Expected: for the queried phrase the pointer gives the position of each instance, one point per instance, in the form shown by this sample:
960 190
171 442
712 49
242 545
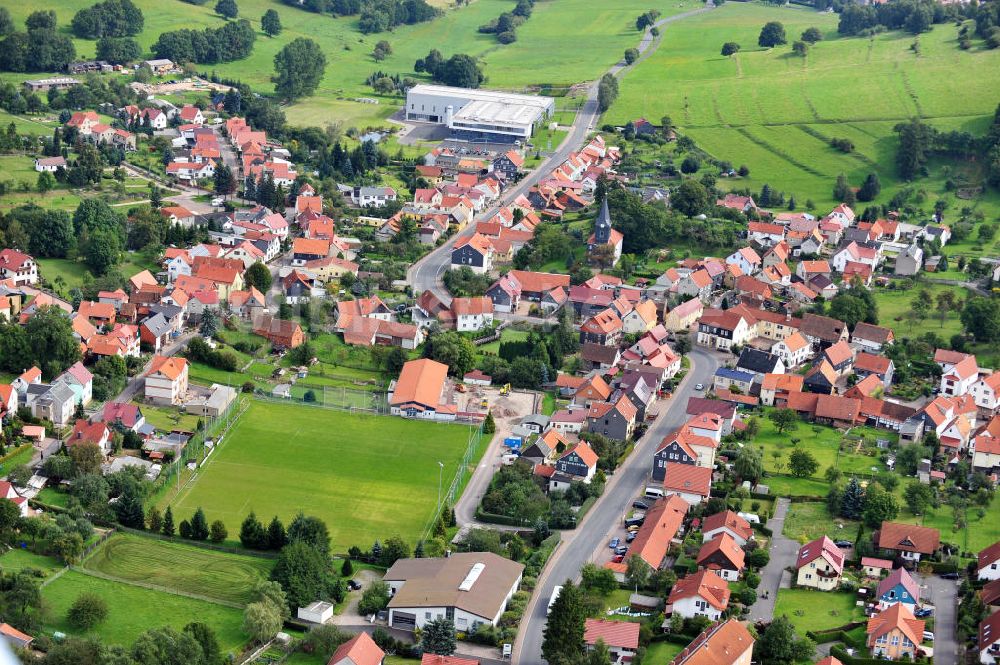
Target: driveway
944 595
783 552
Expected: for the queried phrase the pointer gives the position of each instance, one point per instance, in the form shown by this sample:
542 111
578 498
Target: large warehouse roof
479 95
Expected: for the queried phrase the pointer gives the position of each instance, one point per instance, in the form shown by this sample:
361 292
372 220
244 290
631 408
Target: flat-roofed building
483 114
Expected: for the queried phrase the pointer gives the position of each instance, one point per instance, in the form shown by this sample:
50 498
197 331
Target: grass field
18 559
893 307
816 610
174 565
776 112
547 53
133 610
807 521
368 477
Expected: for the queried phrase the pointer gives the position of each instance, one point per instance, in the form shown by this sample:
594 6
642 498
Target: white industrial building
478 114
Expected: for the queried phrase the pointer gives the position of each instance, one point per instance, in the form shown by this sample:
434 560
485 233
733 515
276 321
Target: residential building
167 381
989 639
18 267
663 522
726 643
722 555
872 338
794 350
615 420
894 633
729 523
577 463
359 650
700 594
475 252
683 316
908 541
472 313
691 483
820 565
898 587
989 563
620 637
470 588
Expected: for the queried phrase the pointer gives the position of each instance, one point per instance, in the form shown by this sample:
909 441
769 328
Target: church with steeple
605 235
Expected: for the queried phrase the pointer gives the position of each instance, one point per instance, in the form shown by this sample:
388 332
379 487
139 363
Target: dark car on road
950 576
843 543
641 505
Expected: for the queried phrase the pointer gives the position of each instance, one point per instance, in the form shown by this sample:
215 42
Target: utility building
479 114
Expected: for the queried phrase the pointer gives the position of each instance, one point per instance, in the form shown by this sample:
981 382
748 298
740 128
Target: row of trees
232 41
41 48
460 70
110 18
914 16
374 15
505 26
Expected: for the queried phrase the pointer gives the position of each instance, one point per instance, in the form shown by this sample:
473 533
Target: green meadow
775 112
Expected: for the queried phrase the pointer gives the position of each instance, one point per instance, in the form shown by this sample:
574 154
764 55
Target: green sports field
776 112
369 477
175 565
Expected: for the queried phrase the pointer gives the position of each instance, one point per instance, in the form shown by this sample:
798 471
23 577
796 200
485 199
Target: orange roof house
419 387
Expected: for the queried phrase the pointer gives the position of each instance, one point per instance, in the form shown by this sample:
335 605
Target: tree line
460 70
111 18
914 16
232 41
919 141
374 15
505 26
40 48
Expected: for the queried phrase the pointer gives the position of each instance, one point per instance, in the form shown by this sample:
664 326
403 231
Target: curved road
427 273
628 482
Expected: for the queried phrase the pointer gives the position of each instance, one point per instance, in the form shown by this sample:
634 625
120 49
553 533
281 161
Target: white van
654 492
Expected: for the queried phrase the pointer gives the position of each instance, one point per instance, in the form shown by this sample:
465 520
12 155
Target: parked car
630 537
621 549
699 386
843 543
615 542
950 576
928 636
618 558
634 528
924 612
641 505
353 586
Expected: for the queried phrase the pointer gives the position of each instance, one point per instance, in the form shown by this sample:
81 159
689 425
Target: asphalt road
628 482
783 552
944 596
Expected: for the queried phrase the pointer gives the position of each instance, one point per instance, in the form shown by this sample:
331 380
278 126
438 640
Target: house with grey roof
910 261
155 331
55 402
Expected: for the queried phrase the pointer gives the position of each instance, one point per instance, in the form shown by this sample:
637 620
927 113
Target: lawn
806 521
776 112
174 565
826 444
662 652
21 559
348 469
893 307
133 610
168 418
802 607
506 335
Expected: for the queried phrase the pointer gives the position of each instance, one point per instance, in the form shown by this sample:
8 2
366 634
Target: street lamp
440 477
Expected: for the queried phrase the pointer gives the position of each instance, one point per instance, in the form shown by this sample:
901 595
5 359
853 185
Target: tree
165 646
772 34
304 573
269 591
607 92
800 49
452 349
842 190
918 497
252 535
46 182
103 250
118 50
209 324
802 464
6 22
168 522
258 276
564 629
981 318
224 181
880 506
921 19
382 50
299 67
87 611
812 35
270 23
129 507
218 532
780 645
261 621
853 501
438 637
312 531
460 71
691 198
205 637
227 9
784 419
595 578
870 188
489 425
199 525
393 549
915 139
631 55
276 537
748 465
637 571
730 48
374 598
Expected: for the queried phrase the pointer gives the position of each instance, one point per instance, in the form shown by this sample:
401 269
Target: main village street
628 482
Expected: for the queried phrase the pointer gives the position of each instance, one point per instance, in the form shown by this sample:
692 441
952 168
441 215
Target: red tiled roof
908 537
359 650
705 585
663 521
621 634
687 478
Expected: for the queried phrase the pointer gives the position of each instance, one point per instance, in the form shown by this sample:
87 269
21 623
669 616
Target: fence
465 468
342 399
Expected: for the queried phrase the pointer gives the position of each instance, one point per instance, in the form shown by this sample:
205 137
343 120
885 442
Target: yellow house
895 633
330 268
820 565
683 316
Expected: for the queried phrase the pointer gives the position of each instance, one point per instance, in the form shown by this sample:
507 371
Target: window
895 640
427 616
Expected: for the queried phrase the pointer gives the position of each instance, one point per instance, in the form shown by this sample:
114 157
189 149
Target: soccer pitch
368 477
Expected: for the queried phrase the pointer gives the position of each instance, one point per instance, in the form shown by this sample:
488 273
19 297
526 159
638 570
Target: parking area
624 532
